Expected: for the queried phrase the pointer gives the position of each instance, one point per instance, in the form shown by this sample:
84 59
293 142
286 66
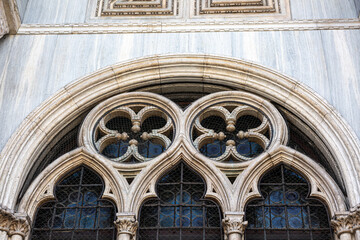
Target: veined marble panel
56 11
310 9
22 4
32 68
357 4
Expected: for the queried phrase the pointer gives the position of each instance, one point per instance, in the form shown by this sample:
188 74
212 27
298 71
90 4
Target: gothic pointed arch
77 211
285 209
180 209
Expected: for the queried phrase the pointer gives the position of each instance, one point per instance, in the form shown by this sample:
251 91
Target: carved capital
5 220
356 218
234 225
126 225
348 222
19 226
14 224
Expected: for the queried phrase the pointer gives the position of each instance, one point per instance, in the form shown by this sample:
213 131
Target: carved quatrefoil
231 132
133 133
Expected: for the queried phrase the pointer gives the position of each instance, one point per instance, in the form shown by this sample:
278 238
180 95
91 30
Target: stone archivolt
128 197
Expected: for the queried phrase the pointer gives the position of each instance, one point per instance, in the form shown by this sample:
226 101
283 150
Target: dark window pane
285 212
180 212
78 211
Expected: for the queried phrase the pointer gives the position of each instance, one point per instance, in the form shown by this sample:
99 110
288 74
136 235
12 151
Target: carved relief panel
130 10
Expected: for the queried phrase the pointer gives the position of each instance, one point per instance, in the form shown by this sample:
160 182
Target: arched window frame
222 192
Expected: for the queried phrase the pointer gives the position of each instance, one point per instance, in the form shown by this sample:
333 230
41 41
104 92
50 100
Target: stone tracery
177 143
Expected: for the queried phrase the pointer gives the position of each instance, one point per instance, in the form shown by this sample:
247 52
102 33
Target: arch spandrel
22 149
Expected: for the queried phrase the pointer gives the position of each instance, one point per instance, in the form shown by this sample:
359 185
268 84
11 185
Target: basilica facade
180 119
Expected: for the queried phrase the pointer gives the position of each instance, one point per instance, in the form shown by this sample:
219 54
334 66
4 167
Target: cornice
190 26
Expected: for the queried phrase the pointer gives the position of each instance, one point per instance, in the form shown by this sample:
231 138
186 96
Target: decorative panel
240 8
137 8
192 9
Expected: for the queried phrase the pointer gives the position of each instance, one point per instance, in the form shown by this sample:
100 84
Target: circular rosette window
133 133
231 132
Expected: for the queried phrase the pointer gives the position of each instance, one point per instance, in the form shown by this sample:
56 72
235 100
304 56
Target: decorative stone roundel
129 128
231 132
133 133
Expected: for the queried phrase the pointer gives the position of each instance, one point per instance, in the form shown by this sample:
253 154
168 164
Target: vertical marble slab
55 11
310 9
357 5
22 4
341 50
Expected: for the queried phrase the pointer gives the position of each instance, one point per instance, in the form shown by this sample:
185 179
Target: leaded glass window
78 212
180 212
286 212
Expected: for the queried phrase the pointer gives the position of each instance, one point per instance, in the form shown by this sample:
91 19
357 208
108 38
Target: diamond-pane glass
285 212
180 212
77 212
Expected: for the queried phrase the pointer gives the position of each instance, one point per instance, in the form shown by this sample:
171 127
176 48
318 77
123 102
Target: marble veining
32 68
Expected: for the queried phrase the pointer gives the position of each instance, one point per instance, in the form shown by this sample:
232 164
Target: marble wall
70 11
32 68
357 4
22 6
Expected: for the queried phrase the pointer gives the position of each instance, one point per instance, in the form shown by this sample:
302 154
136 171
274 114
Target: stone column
126 226
234 226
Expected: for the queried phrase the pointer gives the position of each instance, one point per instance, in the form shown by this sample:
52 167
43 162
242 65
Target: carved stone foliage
133 133
4 28
231 132
192 8
13 224
137 8
234 225
126 225
347 223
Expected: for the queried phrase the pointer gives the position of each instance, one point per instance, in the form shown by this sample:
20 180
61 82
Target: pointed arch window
181 211
78 212
286 212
